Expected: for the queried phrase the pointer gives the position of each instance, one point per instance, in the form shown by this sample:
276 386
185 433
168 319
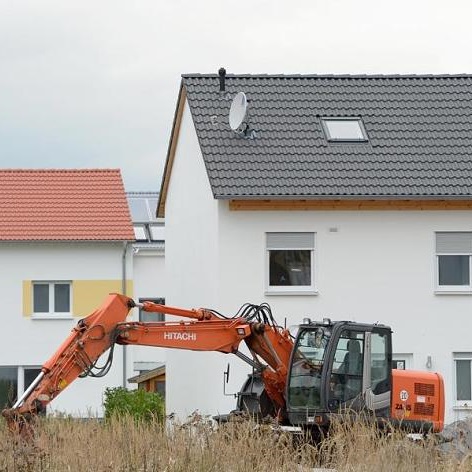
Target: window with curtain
290 262
453 267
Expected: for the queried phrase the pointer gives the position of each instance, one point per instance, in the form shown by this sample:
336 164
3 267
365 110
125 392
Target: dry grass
123 445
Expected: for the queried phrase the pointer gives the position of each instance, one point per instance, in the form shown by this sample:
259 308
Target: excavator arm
271 345
202 330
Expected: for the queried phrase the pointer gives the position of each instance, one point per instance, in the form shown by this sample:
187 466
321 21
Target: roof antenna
222 74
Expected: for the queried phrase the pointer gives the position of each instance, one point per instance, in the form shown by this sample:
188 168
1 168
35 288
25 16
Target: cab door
377 382
347 369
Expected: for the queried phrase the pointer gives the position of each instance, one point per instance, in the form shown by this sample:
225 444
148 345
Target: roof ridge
331 76
58 170
139 193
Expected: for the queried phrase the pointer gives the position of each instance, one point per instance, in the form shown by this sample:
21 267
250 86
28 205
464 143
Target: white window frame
453 289
406 357
52 314
289 289
461 356
20 376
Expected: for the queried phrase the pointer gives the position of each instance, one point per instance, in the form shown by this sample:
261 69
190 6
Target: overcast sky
86 84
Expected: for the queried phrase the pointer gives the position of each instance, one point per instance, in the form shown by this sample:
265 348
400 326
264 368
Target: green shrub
138 404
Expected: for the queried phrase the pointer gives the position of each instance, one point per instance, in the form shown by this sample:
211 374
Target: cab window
379 363
348 366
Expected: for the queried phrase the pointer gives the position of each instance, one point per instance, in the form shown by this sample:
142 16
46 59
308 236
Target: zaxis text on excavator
327 368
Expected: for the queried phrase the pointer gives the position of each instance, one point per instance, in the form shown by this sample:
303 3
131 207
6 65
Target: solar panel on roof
139 209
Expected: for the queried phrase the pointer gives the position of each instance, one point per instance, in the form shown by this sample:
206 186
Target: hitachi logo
181 336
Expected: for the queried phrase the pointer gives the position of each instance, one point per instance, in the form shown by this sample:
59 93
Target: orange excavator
327 368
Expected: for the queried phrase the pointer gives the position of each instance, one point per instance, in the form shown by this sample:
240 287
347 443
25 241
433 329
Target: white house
65 243
365 182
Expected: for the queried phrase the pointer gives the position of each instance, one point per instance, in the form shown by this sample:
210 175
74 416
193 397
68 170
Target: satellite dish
238 111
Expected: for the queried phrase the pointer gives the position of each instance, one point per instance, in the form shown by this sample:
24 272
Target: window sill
277 293
52 316
453 292
465 407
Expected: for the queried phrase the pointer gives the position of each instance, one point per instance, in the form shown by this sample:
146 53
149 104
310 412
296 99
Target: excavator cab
339 366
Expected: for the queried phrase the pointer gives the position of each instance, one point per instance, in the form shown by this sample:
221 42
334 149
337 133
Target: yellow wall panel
87 295
27 298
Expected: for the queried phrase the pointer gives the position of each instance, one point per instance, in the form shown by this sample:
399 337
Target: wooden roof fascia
351 205
179 110
150 374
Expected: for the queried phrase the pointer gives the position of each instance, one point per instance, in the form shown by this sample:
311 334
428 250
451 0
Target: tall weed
123 444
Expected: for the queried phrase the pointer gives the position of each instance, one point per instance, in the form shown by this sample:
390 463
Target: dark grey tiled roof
419 128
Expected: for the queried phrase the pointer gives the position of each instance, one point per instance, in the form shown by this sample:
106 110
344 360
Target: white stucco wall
377 267
191 268
32 341
369 267
149 282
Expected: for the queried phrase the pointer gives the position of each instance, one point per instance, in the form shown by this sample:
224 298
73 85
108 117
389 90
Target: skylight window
344 129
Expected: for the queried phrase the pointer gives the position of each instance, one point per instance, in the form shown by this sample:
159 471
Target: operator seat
352 368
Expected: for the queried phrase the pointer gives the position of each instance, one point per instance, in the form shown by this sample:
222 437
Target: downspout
123 291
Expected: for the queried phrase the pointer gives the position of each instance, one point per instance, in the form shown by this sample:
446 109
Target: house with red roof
65 243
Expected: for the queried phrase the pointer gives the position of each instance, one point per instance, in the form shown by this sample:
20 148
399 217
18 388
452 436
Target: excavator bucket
89 339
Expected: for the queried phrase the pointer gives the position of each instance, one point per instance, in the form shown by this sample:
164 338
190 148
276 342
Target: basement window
344 129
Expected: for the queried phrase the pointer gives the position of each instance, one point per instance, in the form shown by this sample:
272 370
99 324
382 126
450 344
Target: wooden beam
349 205
171 151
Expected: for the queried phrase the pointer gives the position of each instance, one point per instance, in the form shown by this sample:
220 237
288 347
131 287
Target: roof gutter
123 291
342 197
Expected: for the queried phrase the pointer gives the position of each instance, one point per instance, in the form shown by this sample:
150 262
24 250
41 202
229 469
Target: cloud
88 84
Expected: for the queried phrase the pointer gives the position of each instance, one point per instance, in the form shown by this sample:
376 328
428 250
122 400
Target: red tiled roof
63 205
